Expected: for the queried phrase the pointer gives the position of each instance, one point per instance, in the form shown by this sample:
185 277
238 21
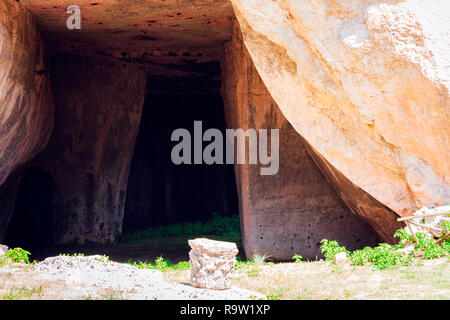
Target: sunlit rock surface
293 210
366 83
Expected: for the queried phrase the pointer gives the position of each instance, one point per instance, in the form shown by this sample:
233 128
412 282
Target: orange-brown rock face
366 83
26 109
98 111
292 211
142 31
358 88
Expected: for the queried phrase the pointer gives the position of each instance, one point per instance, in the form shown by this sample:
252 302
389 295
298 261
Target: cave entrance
30 226
160 192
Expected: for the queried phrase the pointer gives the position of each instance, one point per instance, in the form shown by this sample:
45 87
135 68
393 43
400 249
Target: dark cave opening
31 223
160 192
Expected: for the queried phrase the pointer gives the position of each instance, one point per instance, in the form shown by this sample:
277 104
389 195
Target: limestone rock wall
98 109
26 106
366 83
292 211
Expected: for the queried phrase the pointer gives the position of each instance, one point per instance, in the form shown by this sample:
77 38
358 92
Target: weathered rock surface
366 83
211 263
165 33
3 249
137 25
292 211
95 278
362 87
97 116
26 108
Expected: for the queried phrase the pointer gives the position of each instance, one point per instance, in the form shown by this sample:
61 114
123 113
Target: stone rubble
340 258
3 249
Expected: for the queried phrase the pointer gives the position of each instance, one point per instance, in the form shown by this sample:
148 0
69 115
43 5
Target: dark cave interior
160 192
31 224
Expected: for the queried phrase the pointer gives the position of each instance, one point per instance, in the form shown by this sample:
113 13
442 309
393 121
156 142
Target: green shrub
384 255
217 225
183 265
403 236
361 257
241 263
259 259
430 249
446 225
18 255
331 248
162 265
435 251
446 247
297 258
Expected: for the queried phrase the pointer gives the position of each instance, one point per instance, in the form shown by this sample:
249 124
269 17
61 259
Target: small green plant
23 292
297 258
361 257
430 249
162 265
103 258
331 248
78 255
259 259
72 255
18 255
112 294
434 251
240 263
272 297
403 236
182 265
225 227
253 272
384 255
3 260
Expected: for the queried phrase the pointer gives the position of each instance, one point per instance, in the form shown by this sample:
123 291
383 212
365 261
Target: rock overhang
166 36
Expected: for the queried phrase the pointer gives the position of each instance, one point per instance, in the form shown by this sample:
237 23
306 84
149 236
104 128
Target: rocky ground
94 277
80 278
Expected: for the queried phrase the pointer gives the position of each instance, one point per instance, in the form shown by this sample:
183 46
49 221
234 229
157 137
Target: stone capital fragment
211 263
